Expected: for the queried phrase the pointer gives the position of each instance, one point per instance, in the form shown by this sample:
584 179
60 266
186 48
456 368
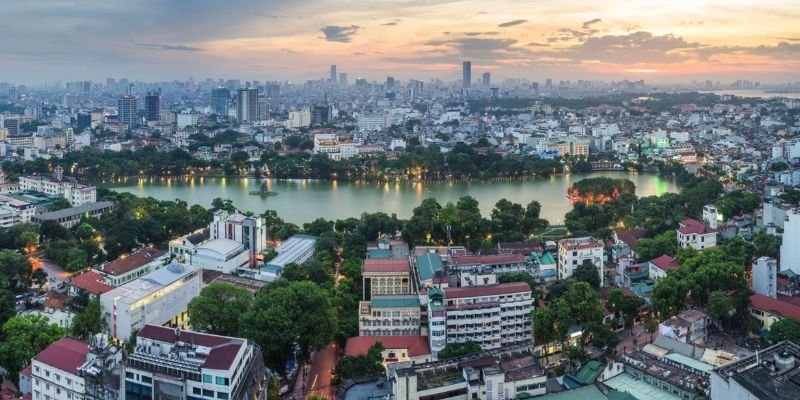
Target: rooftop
489 260
74 211
293 250
137 259
777 306
398 301
665 262
429 265
66 354
639 389
221 350
631 237
222 246
91 282
379 265
580 243
692 226
416 345
775 377
488 290
146 285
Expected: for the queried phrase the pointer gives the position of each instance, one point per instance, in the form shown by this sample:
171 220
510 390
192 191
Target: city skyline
273 40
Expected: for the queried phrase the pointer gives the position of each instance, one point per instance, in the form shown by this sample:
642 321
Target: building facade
60 185
385 277
693 233
574 252
397 315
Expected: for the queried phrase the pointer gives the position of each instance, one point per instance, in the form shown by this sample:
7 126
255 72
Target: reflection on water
303 200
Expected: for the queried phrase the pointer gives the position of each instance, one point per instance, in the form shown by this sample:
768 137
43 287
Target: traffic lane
55 274
320 376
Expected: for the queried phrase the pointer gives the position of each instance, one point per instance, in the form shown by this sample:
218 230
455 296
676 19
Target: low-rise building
769 374
658 267
160 297
506 373
223 255
385 277
693 233
58 184
295 250
135 265
497 264
574 252
768 310
395 315
70 217
688 327
173 364
396 349
71 369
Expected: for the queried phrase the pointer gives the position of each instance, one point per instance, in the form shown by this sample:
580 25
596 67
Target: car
550 365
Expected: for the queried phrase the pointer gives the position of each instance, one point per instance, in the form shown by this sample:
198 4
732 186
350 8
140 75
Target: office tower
247 105
12 124
548 84
273 90
12 93
535 87
390 83
467 72
343 79
219 100
83 121
361 82
495 92
486 79
126 109
111 84
152 106
321 115
333 75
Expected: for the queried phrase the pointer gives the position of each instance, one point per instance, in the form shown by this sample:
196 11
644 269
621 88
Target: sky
654 40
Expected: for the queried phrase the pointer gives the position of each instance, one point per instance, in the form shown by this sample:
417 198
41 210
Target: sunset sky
655 40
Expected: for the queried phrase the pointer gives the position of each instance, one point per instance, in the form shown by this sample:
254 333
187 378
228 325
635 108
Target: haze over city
159 40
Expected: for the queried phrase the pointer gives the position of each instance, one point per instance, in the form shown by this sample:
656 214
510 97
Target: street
317 380
55 274
626 339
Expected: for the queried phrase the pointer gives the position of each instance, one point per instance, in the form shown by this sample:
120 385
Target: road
317 380
626 339
55 274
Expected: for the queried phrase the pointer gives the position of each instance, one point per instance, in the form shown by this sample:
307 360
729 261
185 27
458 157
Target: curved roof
221 246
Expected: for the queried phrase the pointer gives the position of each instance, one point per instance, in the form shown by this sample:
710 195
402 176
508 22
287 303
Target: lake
300 201
753 93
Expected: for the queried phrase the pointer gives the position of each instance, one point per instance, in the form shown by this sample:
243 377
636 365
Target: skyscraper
247 105
219 100
487 79
126 109
273 90
152 106
467 72
343 79
390 83
333 75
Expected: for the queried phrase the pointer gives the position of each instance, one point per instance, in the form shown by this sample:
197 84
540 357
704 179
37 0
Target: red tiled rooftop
66 354
137 259
386 265
359 345
632 237
692 226
489 260
56 300
665 262
91 282
488 290
777 306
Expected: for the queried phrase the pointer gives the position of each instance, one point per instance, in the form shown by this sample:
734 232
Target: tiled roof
631 237
91 282
359 345
386 265
137 259
489 260
778 306
56 300
429 265
692 226
66 354
488 290
223 349
665 262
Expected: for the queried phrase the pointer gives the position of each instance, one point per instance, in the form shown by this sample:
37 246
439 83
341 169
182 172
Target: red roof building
402 347
123 265
665 263
489 260
692 226
66 354
91 282
377 265
768 310
630 238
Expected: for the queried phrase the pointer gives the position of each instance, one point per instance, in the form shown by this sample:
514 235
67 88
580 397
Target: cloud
782 51
790 39
168 47
491 33
389 24
358 53
288 51
512 23
341 34
589 23
537 44
480 48
637 47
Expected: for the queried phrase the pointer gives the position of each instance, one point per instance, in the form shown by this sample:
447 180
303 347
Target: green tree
298 314
767 245
651 326
218 308
8 305
25 337
59 204
52 230
453 350
77 260
88 322
649 249
587 272
15 270
370 364
785 329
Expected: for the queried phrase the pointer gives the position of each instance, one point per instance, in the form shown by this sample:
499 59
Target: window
223 381
129 375
147 379
207 378
208 393
222 395
196 391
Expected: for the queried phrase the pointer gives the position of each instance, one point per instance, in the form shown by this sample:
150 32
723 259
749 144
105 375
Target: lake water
300 201
753 93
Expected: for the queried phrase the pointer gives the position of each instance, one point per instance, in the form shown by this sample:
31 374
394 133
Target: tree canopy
218 308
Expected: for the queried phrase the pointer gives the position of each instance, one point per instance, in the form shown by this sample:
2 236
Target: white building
693 233
372 122
761 376
295 250
299 119
765 277
329 143
71 369
247 231
790 250
574 252
60 185
711 217
223 255
185 119
160 297
135 265
172 364
493 316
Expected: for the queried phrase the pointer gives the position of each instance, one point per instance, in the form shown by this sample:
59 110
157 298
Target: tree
370 364
218 308
767 245
25 337
665 243
785 329
295 314
8 305
59 204
453 350
52 230
15 270
651 326
587 272
220 204
88 322
77 260
39 277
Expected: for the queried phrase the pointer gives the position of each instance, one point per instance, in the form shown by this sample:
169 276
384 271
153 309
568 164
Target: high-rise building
333 75
84 120
127 111
343 79
152 106
790 252
12 93
321 115
467 74
12 124
219 100
247 105
390 83
486 79
272 90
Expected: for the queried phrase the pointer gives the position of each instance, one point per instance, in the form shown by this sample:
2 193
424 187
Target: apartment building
60 185
695 234
492 316
574 252
397 315
173 364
